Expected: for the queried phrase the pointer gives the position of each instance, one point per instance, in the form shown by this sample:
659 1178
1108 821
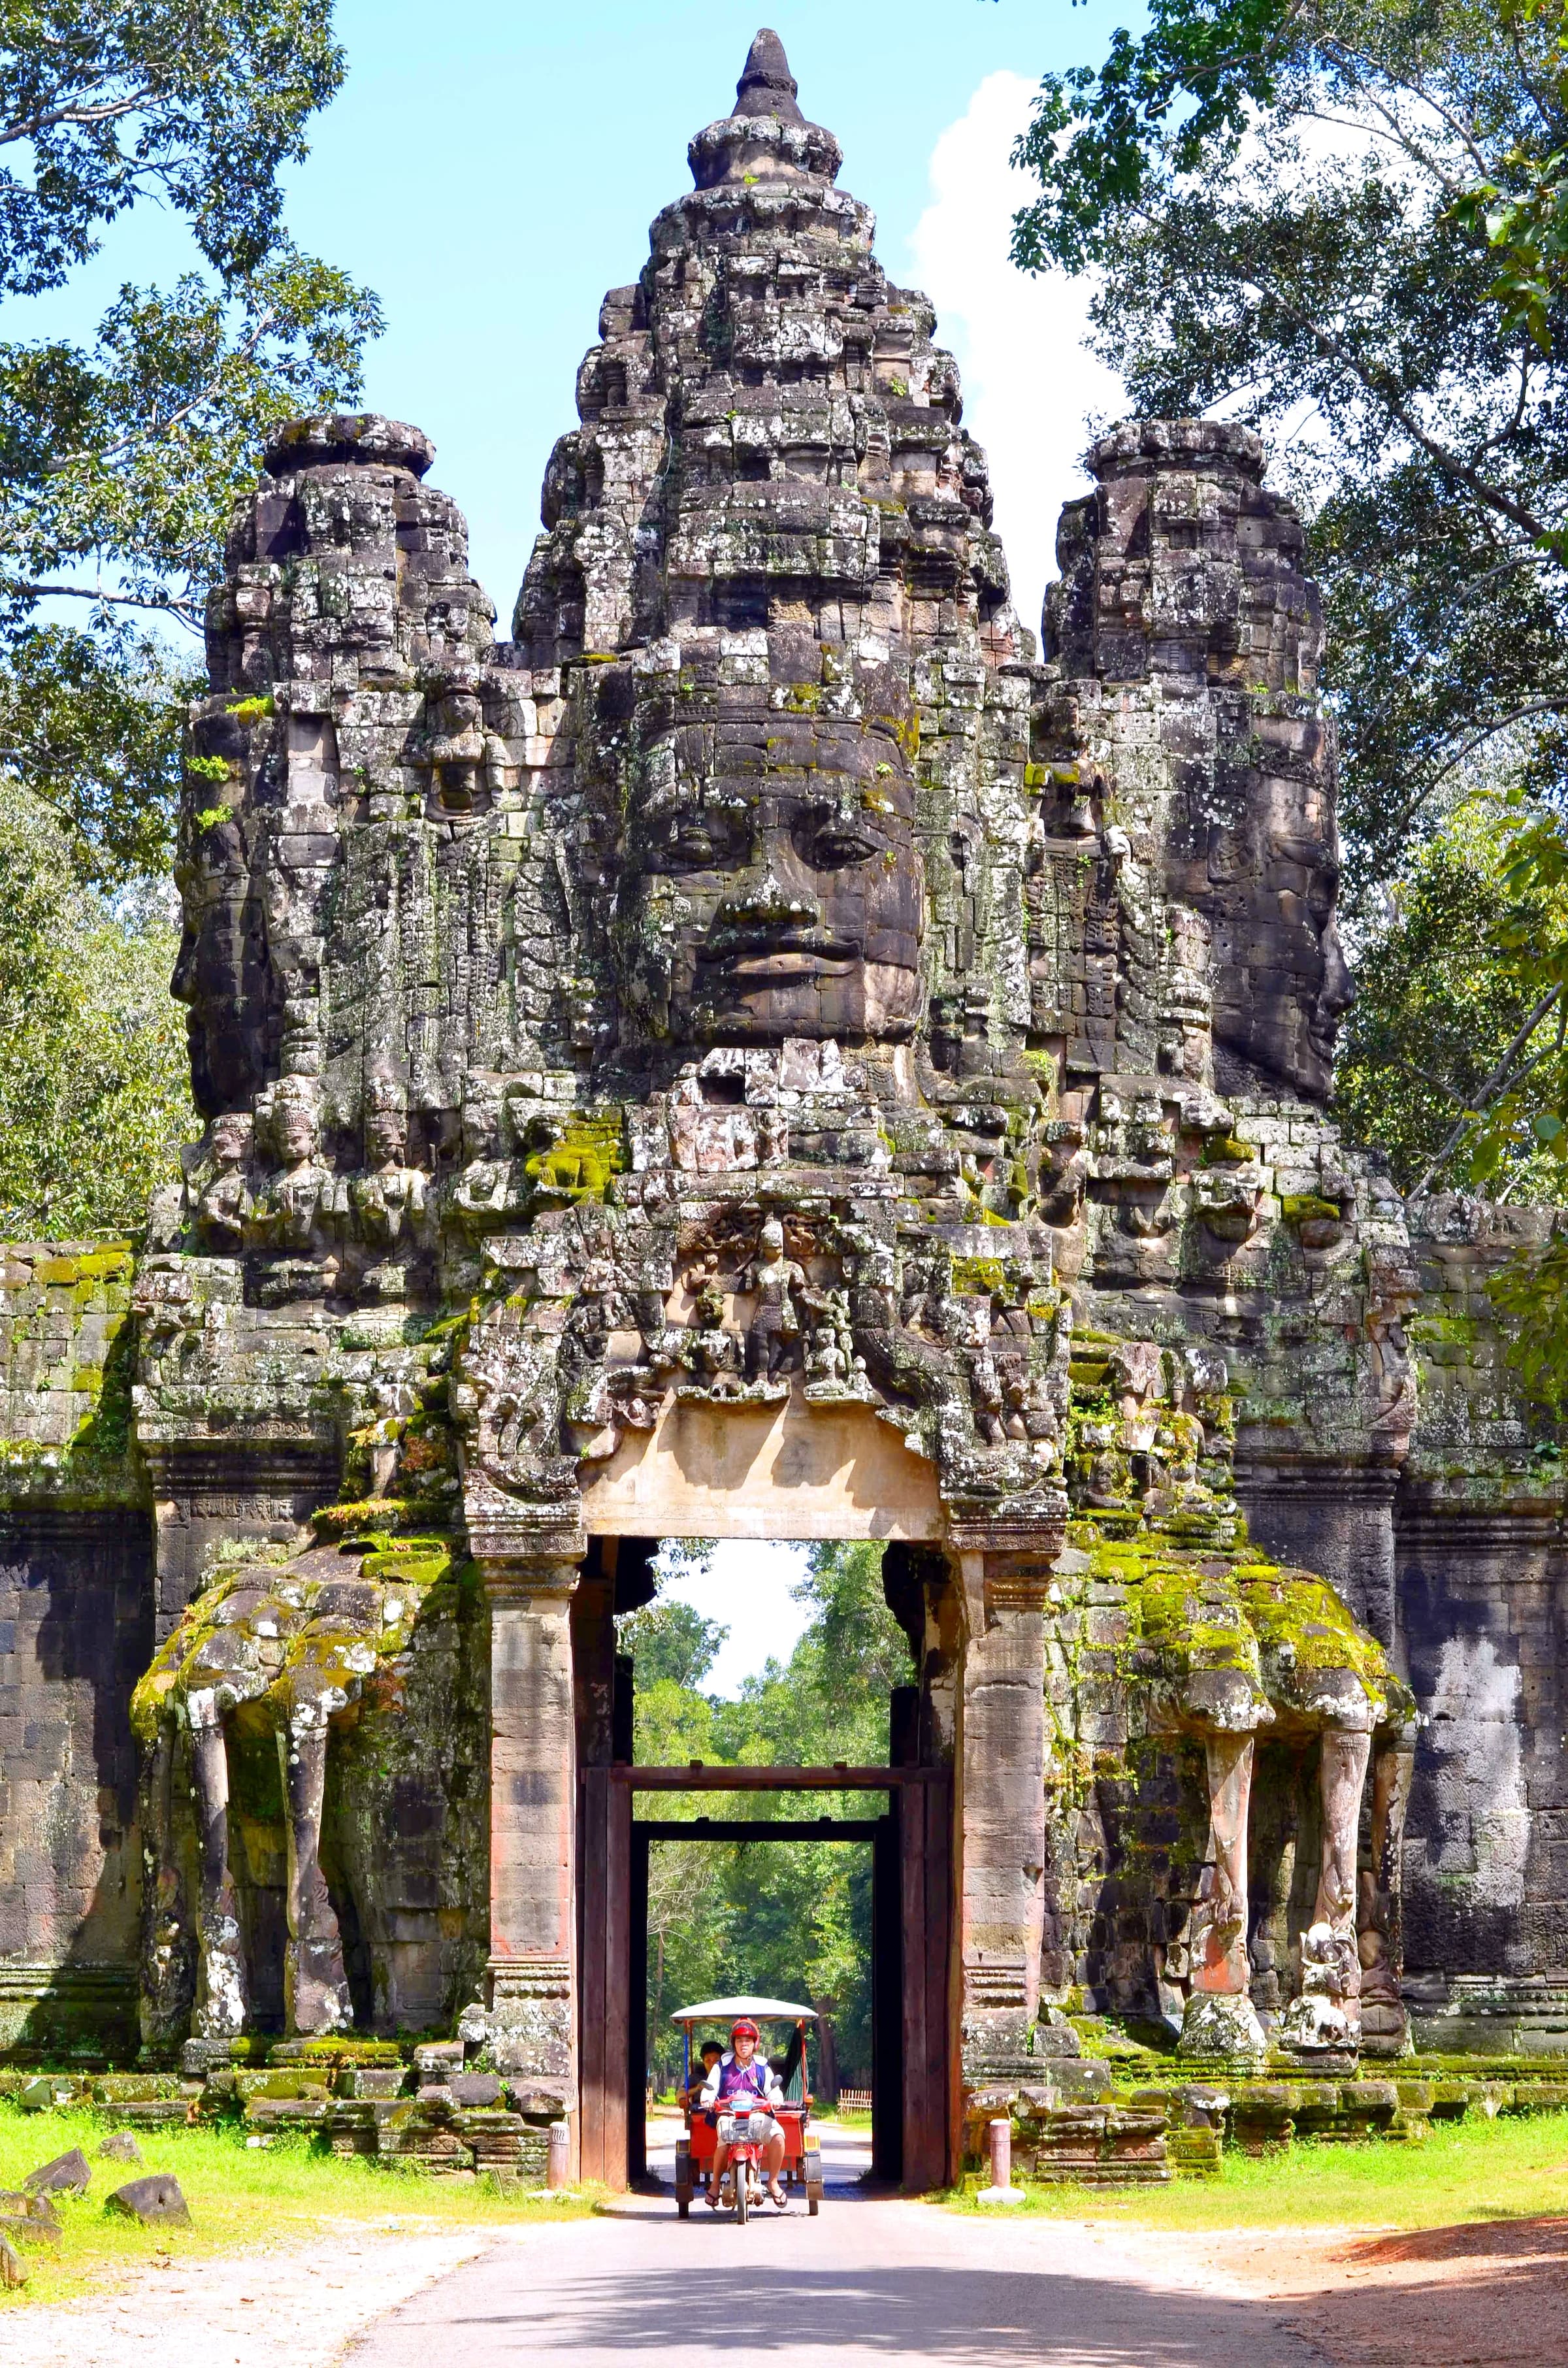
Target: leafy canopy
95 1087
120 455
1292 208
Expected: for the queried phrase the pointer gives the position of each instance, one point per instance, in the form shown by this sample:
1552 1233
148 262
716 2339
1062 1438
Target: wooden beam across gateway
756 1829
702 1776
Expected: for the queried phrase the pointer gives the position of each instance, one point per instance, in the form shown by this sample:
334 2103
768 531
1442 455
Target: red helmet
745 2029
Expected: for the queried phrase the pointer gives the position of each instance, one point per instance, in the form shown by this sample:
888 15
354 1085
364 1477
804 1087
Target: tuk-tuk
694 2148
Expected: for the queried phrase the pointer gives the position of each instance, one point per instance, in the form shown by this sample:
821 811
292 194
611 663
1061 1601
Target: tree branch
1491 1088
1478 740
245 351
168 605
30 127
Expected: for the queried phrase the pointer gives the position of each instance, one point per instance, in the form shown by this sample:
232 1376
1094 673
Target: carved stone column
1327 2011
1220 2018
999 1806
316 1987
533 1794
1380 1915
221 1991
167 1970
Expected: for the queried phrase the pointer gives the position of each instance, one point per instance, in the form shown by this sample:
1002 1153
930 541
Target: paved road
869 2283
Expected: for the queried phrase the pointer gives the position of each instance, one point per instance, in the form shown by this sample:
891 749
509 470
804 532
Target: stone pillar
999 1806
1326 2013
167 1971
221 1991
1220 2018
316 1986
1379 1916
918 1584
533 1799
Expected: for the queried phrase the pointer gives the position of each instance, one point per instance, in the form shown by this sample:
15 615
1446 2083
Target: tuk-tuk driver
742 2082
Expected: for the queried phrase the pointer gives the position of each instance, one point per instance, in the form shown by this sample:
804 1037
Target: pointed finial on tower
766 86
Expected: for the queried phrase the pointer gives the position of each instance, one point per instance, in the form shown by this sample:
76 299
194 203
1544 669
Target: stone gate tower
762 1051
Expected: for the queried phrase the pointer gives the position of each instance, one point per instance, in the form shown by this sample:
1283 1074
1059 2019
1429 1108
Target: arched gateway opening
750 1472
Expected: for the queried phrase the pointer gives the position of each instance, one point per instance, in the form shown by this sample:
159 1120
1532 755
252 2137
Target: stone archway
972 1785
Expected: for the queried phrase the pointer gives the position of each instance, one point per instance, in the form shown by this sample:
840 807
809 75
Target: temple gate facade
767 1050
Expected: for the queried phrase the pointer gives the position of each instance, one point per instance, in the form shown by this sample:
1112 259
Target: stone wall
75 1632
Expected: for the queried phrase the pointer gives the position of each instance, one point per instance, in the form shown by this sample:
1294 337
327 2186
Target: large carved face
1269 883
770 884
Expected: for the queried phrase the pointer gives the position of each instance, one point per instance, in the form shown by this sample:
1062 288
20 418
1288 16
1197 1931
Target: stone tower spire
766 86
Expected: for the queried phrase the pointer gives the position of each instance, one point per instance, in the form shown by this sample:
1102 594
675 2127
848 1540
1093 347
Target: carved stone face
230 1140
294 1130
386 1135
770 883
1269 886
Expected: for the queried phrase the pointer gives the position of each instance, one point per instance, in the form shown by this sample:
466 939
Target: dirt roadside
1481 2294
291 2305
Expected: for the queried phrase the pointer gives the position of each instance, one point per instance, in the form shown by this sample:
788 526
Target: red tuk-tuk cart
694 2149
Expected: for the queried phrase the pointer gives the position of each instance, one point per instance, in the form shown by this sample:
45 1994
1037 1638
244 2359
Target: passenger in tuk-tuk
743 2082
709 2052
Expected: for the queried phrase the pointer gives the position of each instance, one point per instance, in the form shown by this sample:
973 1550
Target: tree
119 457
95 1089
671 1641
1294 208
1453 1019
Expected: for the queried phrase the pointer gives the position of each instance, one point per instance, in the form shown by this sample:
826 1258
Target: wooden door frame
612 1925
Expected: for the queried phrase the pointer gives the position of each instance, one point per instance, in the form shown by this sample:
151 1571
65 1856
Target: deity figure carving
224 1201
293 1216
777 1283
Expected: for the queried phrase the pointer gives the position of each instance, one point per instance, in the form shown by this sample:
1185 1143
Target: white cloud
1029 380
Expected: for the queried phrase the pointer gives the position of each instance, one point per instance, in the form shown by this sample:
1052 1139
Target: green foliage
671 1642
90 722
1443 990
784 1919
1286 201
193 103
94 1094
119 457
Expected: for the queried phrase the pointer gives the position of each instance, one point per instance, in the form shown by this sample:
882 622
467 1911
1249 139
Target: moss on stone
978 1277
579 1164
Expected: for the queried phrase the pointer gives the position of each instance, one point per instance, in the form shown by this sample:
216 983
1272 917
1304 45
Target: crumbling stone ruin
765 1052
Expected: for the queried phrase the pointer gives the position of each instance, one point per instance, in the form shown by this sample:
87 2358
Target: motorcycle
746 2135
744 2176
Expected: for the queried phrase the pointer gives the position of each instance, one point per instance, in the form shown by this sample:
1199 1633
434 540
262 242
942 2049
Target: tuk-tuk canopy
730 2009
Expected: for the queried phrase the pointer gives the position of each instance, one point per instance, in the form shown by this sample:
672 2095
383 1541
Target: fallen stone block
120 2146
48 2091
68 2174
155 2199
476 2089
12 2273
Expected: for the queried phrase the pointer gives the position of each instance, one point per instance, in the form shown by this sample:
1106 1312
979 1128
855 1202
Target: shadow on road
905 2313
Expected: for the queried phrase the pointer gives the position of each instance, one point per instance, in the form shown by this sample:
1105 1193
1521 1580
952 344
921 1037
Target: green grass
1505 2170
238 2196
